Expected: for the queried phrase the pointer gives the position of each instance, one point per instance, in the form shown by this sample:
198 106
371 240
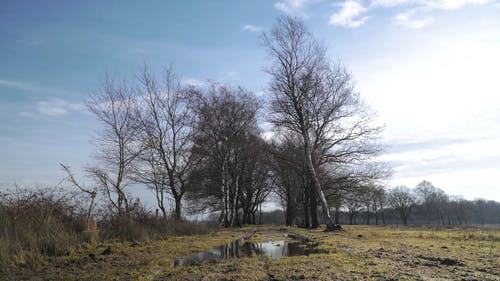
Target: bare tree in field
166 135
114 106
401 200
288 174
255 178
92 193
226 124
316 100
433 201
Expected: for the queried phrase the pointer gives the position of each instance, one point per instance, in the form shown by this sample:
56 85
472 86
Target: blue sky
429 67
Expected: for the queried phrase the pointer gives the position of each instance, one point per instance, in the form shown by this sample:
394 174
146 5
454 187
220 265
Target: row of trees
180 140
204 145
424 204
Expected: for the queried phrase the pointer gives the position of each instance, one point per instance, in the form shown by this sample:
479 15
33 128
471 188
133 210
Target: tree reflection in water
241 248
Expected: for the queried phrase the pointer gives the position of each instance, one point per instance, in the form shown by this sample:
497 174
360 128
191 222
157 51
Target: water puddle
241 248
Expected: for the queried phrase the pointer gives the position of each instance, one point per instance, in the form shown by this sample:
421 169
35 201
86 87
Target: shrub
40 223
37 223
143 225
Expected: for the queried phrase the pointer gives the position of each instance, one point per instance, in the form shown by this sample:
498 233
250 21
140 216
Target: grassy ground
355 253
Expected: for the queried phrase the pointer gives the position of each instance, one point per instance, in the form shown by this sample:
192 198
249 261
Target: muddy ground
355 253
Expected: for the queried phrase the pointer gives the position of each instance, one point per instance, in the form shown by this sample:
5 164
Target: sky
430 68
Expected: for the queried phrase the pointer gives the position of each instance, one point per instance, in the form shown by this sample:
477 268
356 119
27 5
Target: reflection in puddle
240 248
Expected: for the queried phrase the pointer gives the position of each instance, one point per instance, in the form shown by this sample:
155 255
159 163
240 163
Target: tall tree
165 121
316 100
114 106
255 180
401 200
433 201
226 124
289 176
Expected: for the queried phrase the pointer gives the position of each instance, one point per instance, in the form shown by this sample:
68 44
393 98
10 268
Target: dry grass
40 227
356 253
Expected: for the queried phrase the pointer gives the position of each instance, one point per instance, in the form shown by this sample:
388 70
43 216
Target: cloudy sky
429 67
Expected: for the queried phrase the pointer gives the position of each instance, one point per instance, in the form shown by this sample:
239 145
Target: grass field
355 253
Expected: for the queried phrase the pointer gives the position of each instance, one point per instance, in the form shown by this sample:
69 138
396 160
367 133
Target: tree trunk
313 205
288 213
260 213
337 214
177 214
305 205
317 185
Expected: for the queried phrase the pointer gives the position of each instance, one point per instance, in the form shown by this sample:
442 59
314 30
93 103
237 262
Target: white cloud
432 4
455 4
21 85
407 19
349 14
27 114
294 7
252 28
389 3
58 107
193 82
425 7
354 13
229 77
30 87
439 101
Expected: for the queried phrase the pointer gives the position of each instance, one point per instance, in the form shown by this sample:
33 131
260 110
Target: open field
355 253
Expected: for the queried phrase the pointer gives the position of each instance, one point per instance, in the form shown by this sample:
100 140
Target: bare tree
433 201
379 200
166 135
92 193
225 125
288 174
316 100
401 200
114 106
256 183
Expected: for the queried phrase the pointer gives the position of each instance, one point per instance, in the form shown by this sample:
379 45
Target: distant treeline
477 211
425 204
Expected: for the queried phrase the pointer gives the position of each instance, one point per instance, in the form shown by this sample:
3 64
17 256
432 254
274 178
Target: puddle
241 248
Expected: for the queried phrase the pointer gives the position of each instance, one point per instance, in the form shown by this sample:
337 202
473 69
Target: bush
142 225
40 223
37 223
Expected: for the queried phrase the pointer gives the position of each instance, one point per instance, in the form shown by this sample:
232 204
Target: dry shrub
37 223
143 225
40 223
188 228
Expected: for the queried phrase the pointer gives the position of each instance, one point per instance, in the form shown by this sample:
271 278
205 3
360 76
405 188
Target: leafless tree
401 200
288 176
91 192
225 122
378 203
433 201
256 183
316 100
165 123
114 106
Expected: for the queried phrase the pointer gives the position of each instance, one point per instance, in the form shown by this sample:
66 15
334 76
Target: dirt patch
443 261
